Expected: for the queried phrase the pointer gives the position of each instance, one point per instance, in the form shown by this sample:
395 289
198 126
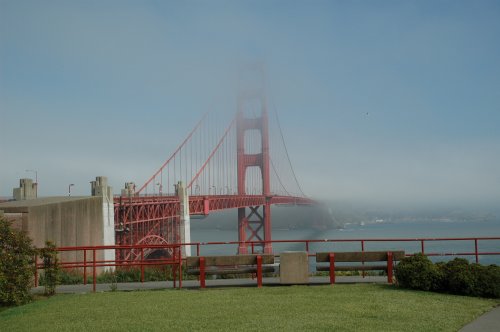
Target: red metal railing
176 261
363 242
94 263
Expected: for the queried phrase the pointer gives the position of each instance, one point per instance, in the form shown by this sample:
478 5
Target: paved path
130 286
485 323
490 321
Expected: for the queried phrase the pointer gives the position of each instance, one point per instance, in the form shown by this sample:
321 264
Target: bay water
371 232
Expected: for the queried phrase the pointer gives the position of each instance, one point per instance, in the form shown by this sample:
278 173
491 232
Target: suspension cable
286 150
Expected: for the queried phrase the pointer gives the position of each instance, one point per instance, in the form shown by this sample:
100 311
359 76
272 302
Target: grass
358 307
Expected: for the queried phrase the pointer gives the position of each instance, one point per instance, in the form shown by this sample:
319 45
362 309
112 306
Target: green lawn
359 307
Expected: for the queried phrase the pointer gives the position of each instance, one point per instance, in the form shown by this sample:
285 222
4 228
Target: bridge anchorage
215 168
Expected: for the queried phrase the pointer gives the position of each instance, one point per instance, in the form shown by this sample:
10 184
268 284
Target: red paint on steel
175 259
331 257
202 272
389 267
142 265
84 266
422 249
228 129
475 249
174 154
363 250
94 280
259 271
179 264
206 206
260 160
140 217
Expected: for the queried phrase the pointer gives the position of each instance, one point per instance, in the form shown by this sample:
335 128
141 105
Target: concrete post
100 187
185 220
129 189
27 190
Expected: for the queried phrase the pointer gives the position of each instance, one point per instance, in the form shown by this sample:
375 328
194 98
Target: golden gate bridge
216 167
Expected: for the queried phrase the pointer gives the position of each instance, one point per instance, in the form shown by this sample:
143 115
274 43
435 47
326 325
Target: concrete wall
68 222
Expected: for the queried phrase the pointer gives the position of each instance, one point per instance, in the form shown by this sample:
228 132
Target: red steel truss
155 219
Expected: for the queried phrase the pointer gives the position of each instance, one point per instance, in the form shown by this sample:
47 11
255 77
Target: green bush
418 272
459 277
456 277
16 265
50 267
488 280
471 279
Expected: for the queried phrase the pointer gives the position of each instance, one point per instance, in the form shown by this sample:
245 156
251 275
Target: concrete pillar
100 187
185 220
294 267
129 190
27 190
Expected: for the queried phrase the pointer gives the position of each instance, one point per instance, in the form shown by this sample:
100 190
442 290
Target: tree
16 265
50 267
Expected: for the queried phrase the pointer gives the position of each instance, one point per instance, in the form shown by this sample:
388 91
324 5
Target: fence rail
475 241
175 260
93 263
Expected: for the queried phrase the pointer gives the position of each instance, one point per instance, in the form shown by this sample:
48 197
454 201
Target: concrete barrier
294 268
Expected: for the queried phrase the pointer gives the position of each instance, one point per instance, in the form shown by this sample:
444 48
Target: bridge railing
91 258
471 247
87 258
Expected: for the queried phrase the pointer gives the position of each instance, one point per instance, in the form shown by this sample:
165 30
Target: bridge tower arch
254 223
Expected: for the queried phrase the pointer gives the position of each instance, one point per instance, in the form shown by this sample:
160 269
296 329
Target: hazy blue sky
379 100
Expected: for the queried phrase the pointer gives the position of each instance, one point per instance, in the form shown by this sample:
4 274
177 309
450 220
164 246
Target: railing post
476 251
331 257
142 265
36 270
422 249
180 268
363 273
307 247
389 267
174 268
93 271
202 272
84 266
198 249
259 271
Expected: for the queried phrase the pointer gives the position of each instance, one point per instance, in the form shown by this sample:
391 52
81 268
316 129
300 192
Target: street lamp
69 188
36 180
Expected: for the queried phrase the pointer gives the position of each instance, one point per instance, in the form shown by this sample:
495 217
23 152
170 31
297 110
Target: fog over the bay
386 103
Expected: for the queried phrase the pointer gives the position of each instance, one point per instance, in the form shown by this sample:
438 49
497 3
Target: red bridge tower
256 225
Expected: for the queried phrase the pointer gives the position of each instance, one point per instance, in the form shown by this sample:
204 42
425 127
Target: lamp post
36 180
69 188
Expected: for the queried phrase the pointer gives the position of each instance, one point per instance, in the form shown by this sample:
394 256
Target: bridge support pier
255 227
258 220
185 220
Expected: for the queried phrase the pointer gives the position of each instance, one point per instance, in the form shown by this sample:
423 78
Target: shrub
456 277
459 277
16 265
418 272
488 280
471 279
50 267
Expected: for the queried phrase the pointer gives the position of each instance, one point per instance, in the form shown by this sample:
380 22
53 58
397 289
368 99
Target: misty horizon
393 105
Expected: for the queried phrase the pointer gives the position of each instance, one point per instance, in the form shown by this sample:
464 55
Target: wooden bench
359 257
237 264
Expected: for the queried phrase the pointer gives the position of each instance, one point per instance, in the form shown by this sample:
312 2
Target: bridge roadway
140 209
